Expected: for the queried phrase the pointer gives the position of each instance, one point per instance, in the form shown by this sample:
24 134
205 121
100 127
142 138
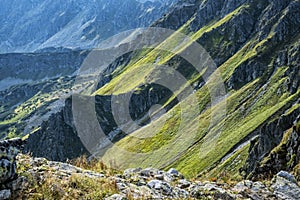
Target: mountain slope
33 85
255 45
30 25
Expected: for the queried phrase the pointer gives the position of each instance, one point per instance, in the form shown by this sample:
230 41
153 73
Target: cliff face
56 131
57 139
284 156
277 147
9 150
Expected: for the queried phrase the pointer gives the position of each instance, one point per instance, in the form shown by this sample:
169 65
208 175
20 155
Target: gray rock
240 187
121 186
159 177
287 176
285 187
161 186
257 186
18 184
131 171
8 151
5 194
173 172
8 170
168 177
212 187
117 197
147 172
156 184
166 189
183 183
181 193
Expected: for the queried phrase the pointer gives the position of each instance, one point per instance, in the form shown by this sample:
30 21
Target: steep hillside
30 25
255 46
258 59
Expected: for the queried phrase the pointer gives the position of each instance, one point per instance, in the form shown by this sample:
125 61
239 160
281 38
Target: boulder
8 152
5 194
285 186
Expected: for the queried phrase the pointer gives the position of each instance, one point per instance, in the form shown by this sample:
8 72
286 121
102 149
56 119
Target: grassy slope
195 146
134 74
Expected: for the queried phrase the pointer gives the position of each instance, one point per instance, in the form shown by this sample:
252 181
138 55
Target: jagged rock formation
276 149
56 129
285 186
271 135
40 178
9 150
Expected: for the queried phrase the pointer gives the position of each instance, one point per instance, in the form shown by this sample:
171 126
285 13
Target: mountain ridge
44 24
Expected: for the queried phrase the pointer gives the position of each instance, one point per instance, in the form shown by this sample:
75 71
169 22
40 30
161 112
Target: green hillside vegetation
197 146
134 74
200 136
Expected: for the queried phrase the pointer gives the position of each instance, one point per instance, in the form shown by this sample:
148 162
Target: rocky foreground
25 177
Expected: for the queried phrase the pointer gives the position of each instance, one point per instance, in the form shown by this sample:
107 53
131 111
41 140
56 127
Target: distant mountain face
38 24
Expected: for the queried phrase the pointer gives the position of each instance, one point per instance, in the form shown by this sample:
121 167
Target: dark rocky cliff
277 147
57 139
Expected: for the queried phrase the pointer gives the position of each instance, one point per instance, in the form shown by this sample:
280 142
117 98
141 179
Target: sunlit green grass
133 75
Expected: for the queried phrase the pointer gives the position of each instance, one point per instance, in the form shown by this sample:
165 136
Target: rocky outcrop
262 161
210 9
8 166
57 138
285 186
134 183
148 183
273 151
283 32
178 15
